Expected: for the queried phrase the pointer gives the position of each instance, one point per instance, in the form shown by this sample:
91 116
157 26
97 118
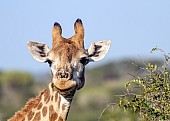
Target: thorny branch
112 105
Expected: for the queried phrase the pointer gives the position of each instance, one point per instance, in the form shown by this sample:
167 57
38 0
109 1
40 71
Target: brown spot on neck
52 114
37 117
30 115
39 106
59 100
23 119
60 119
63 107
56 97
52 98
51 109
46 95
44 111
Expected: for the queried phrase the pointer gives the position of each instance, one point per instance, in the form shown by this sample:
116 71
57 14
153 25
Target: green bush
149 96
16 88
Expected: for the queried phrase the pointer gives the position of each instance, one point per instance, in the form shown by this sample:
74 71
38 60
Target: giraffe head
67 57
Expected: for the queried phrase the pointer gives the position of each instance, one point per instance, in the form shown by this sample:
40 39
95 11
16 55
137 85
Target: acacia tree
149 96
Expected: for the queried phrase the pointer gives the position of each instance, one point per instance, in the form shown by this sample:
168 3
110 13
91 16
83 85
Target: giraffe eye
84 60
49 62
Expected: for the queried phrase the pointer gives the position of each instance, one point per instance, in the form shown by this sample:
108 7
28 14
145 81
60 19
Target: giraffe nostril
62 74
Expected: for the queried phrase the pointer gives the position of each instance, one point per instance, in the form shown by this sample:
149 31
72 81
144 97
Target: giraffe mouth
64 84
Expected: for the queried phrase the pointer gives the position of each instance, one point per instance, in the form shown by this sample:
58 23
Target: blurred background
134 27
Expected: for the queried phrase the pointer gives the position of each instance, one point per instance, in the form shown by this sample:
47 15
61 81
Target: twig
113 105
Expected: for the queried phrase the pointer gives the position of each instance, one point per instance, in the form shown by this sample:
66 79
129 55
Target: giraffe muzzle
62 74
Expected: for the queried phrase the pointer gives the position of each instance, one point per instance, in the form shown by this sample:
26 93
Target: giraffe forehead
66 52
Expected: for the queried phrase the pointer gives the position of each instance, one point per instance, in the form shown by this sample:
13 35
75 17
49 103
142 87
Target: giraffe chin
64 84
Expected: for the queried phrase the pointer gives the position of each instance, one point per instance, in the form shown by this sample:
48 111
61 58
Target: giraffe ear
39 51
98 50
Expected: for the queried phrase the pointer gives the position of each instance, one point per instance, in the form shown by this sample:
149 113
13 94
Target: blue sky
133 26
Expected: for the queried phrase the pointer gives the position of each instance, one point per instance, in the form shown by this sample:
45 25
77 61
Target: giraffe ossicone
67 59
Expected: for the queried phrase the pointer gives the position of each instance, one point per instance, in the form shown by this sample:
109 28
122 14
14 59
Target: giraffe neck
49 105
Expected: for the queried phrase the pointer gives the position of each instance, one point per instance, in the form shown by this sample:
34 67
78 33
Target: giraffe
67 59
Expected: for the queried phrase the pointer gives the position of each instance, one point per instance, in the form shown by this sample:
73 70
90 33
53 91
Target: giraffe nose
62 74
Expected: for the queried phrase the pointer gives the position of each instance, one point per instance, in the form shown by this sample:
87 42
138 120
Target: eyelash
84 60
49 62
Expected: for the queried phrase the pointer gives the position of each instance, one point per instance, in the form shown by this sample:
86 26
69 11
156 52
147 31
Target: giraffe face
67 63
67 57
